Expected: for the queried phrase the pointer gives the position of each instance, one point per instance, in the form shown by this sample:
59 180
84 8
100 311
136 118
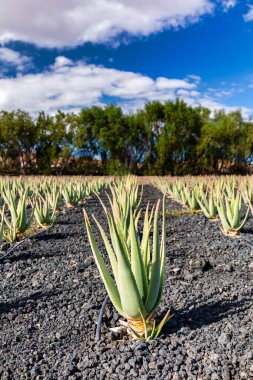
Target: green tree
155 121
223 140
176 146
56 143
18 135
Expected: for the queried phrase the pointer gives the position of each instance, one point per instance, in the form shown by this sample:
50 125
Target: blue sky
70 54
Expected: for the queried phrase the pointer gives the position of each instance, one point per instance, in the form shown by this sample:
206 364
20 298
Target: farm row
153 255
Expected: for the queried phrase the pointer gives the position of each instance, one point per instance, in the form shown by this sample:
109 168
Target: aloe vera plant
208 204
191 198
71 195
229 212
54 197
136 286
19 221
9 233
248 197
43 213
175 191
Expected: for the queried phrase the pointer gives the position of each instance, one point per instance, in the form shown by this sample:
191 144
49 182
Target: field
51 292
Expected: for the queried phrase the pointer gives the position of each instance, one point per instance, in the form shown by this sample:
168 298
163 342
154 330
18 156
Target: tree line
162 138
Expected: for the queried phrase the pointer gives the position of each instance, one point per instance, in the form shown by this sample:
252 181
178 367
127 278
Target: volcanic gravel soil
51 294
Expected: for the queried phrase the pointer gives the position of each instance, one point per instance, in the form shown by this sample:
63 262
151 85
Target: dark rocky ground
51 294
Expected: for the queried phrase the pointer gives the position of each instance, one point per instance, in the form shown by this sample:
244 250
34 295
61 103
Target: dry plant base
134 325
183 212
231 233
213 219
33 229
137 326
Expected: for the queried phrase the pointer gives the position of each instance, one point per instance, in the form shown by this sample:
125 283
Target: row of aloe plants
219 198
32 202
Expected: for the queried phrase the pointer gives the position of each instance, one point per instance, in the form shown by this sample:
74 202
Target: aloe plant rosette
135 289
229 212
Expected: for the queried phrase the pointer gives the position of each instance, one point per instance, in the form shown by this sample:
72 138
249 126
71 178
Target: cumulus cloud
227 4
70 86
195 78
165 84
249 15
60 23
213 105
13 58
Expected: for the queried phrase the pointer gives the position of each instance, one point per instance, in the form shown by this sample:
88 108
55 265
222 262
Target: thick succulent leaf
104 273
129 294
236 216
204 200
222 214
229 212
145 248
120 232
212 206
154 285
137 215
204 207
109 250
8 222
244 221
162 255
137 264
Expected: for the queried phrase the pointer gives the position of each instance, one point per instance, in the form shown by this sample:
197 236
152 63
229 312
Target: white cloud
185 93
69 85
224 94
249 15
74 85
13 58
61 61
195 78
221 93
213 105
59 23
166 84
227 4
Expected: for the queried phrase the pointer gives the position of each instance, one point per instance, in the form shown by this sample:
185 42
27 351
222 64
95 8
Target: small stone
5 246
87 262
213 356
243 332
249 355
152 365
224 338
175 270
188 277
35 280
8 275
34 371
226 374
228 268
